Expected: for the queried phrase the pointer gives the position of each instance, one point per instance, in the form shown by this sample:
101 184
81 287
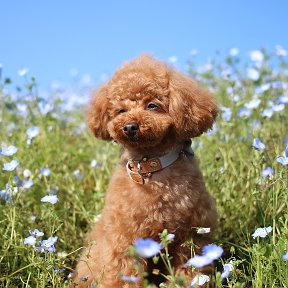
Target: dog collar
139 170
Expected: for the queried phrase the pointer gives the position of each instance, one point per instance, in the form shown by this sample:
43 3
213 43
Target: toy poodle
152 111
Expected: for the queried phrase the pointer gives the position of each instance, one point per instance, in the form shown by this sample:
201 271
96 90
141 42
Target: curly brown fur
174 198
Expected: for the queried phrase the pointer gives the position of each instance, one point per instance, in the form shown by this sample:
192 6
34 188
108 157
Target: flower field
54 175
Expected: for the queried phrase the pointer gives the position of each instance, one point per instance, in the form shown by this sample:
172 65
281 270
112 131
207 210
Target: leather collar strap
138 170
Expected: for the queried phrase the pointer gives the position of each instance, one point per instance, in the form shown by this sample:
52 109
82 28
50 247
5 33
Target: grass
231 167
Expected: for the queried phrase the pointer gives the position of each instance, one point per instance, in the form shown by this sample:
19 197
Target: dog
152 111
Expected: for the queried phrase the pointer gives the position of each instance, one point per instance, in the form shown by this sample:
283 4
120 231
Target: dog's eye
152 106
121 111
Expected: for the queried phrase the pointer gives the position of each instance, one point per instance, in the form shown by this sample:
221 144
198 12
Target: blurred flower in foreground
267 172
226 114
23 72
78 175
93 164
253 104
50 198
199 279
285 256
147 248
234 52
227 268
258 145
256 56
210 253
9 150
10 166
283 159
27 173
280 51
253 74
132 279
262 232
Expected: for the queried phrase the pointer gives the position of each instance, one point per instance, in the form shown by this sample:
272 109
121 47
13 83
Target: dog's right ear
97 115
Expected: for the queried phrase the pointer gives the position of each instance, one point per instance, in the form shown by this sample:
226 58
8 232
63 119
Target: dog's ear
97 115
192 107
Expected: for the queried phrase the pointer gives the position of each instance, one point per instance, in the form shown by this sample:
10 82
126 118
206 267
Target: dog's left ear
192 107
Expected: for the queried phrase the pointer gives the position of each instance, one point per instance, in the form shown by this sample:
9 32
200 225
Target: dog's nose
131 129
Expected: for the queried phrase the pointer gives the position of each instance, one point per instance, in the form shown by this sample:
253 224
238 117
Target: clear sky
52 37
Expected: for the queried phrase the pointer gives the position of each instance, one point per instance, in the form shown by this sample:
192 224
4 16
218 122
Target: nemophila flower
49 244
253 104
285 256
283 159
27 173
10 166
32 132
252 74
262 232
198 280
211 252
278 107
256 56
17 181
227 268
9 150
199 261
147 248
280 51
50 198
244 112
283 99
226 114
36 233
93 164
45 171
78 175
262 88
45 107
267 172
22 109
267 112
132 279
31 240
234 52
203 230
23 72
27 184
258 145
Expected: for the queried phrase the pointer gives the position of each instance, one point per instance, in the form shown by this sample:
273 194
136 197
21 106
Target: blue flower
8 192
283 99
267 172
226 114
285 256
93 164
227 268
9 150
10 166
31 240
258 145
199 261
267 112
132 279
49 244
253 74
199 280
262 232
253 104
210 253
244 112
32 132
45 171
283 159
27 184
50 198
147 248
36 233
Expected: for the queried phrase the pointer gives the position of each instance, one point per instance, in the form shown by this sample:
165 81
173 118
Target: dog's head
145 101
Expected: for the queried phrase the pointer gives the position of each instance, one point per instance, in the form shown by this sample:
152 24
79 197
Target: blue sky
94 37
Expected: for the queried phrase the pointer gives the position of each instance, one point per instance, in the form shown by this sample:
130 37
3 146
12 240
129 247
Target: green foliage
231 167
